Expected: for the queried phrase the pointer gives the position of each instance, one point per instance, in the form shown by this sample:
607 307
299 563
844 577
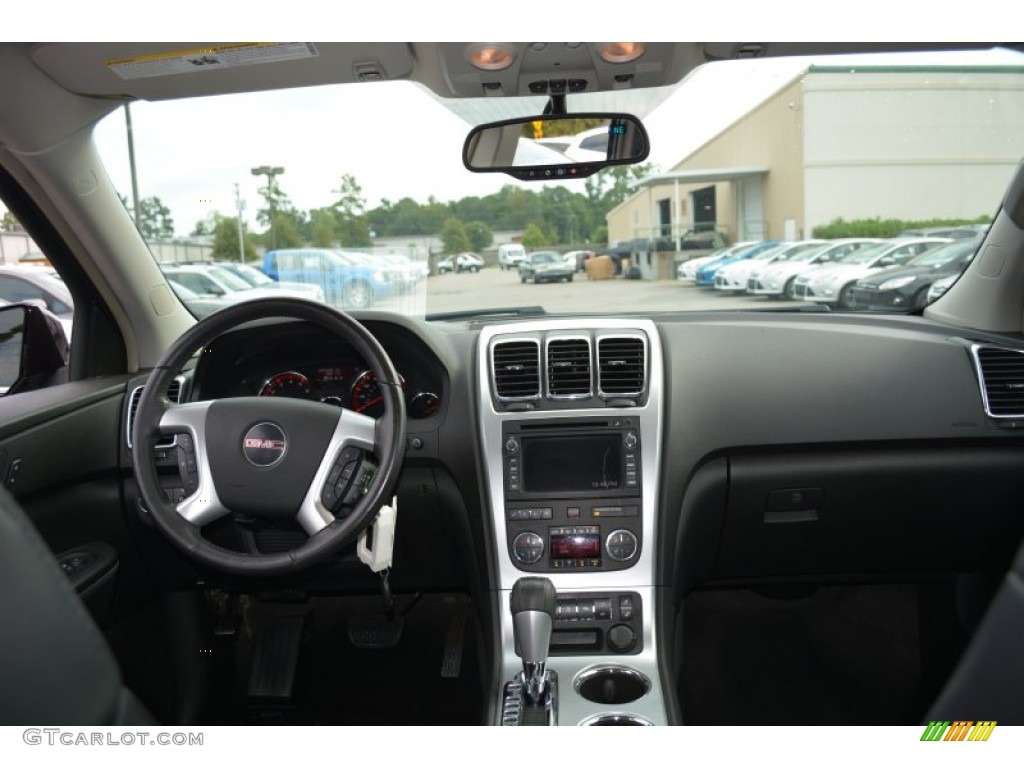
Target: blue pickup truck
347 280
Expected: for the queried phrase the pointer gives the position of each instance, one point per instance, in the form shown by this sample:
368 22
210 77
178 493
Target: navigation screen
575 463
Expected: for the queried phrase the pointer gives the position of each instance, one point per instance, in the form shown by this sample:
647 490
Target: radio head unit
572 493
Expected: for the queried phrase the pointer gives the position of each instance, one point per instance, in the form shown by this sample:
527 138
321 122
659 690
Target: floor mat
431 677
845 655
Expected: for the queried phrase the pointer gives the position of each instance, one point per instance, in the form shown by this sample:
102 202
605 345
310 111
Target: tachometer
365 396
285 384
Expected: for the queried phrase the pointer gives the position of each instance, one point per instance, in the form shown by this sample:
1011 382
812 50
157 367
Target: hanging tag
379 557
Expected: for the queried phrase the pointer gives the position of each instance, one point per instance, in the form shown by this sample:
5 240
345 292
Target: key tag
378 557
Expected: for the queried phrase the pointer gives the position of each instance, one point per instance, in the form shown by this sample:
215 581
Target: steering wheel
274 459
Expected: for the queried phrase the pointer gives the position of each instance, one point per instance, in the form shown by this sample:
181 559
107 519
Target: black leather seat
55 665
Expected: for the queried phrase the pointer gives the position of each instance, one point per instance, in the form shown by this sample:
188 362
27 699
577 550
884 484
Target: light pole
270 172
239 207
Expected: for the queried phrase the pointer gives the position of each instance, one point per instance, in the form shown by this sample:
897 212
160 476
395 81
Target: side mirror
33 348
549 147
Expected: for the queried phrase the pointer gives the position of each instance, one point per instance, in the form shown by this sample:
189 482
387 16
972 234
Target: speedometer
285 384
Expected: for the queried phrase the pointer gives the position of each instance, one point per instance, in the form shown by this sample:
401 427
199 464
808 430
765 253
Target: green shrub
878 227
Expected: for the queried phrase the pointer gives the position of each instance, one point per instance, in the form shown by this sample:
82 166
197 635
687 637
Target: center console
570 426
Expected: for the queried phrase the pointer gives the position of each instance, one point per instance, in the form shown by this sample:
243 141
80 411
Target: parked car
779 279
201 305
510 254
584 147
544 267
734 274
706 272
258 279
687 270
462 262
577 260
42 284
906 287
957 232
834 283
344 277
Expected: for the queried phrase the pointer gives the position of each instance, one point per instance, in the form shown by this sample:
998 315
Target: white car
833 283
734 277
40 284
258 279
463 262
688 269
778 279
212 280
584 147
510 254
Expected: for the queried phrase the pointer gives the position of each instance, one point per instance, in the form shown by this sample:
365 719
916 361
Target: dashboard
634 461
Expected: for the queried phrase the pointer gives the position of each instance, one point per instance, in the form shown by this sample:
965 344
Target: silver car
778 278
833 283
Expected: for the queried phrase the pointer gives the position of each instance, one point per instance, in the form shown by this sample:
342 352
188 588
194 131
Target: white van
510 254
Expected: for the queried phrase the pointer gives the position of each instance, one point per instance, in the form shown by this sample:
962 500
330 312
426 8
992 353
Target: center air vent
1002 380
621 366
516 369
569 368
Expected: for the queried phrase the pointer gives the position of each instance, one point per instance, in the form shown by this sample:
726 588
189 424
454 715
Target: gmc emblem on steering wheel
264 445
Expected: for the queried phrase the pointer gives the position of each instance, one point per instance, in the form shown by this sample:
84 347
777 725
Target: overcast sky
396 139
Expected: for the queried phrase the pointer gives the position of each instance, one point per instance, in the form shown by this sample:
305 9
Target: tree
454 237
276 201
479 234
287 226
225 239
154 220
533 237
205 226
323 227
10 224
350 213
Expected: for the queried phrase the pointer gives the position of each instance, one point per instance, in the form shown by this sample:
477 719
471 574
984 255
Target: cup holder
616 718
612 684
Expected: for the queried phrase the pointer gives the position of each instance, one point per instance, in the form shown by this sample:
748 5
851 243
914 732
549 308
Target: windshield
944 254
228 279
865 255
756 152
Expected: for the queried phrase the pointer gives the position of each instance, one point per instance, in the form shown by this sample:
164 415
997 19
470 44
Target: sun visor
156 71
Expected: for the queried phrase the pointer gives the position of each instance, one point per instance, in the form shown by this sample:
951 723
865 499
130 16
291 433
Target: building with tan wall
836 142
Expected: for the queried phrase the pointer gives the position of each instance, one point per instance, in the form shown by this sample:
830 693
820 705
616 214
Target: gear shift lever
533 613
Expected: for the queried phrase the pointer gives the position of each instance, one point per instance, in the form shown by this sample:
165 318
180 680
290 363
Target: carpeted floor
840 655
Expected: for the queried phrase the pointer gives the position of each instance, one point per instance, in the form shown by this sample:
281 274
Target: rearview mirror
556 147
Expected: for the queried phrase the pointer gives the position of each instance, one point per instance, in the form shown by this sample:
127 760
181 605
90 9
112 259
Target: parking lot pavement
495 288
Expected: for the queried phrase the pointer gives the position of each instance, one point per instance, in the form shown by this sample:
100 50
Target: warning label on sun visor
208 59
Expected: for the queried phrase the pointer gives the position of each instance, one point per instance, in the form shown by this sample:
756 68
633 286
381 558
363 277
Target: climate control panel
563 536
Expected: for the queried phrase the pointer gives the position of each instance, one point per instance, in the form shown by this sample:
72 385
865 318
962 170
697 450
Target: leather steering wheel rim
388 440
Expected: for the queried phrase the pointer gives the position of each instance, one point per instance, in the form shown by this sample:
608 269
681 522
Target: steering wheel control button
621 545
264 445
528 547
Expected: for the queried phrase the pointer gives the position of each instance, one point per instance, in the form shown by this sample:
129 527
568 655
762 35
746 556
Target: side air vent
621 366
515 366
568 368
174 391
1001 375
